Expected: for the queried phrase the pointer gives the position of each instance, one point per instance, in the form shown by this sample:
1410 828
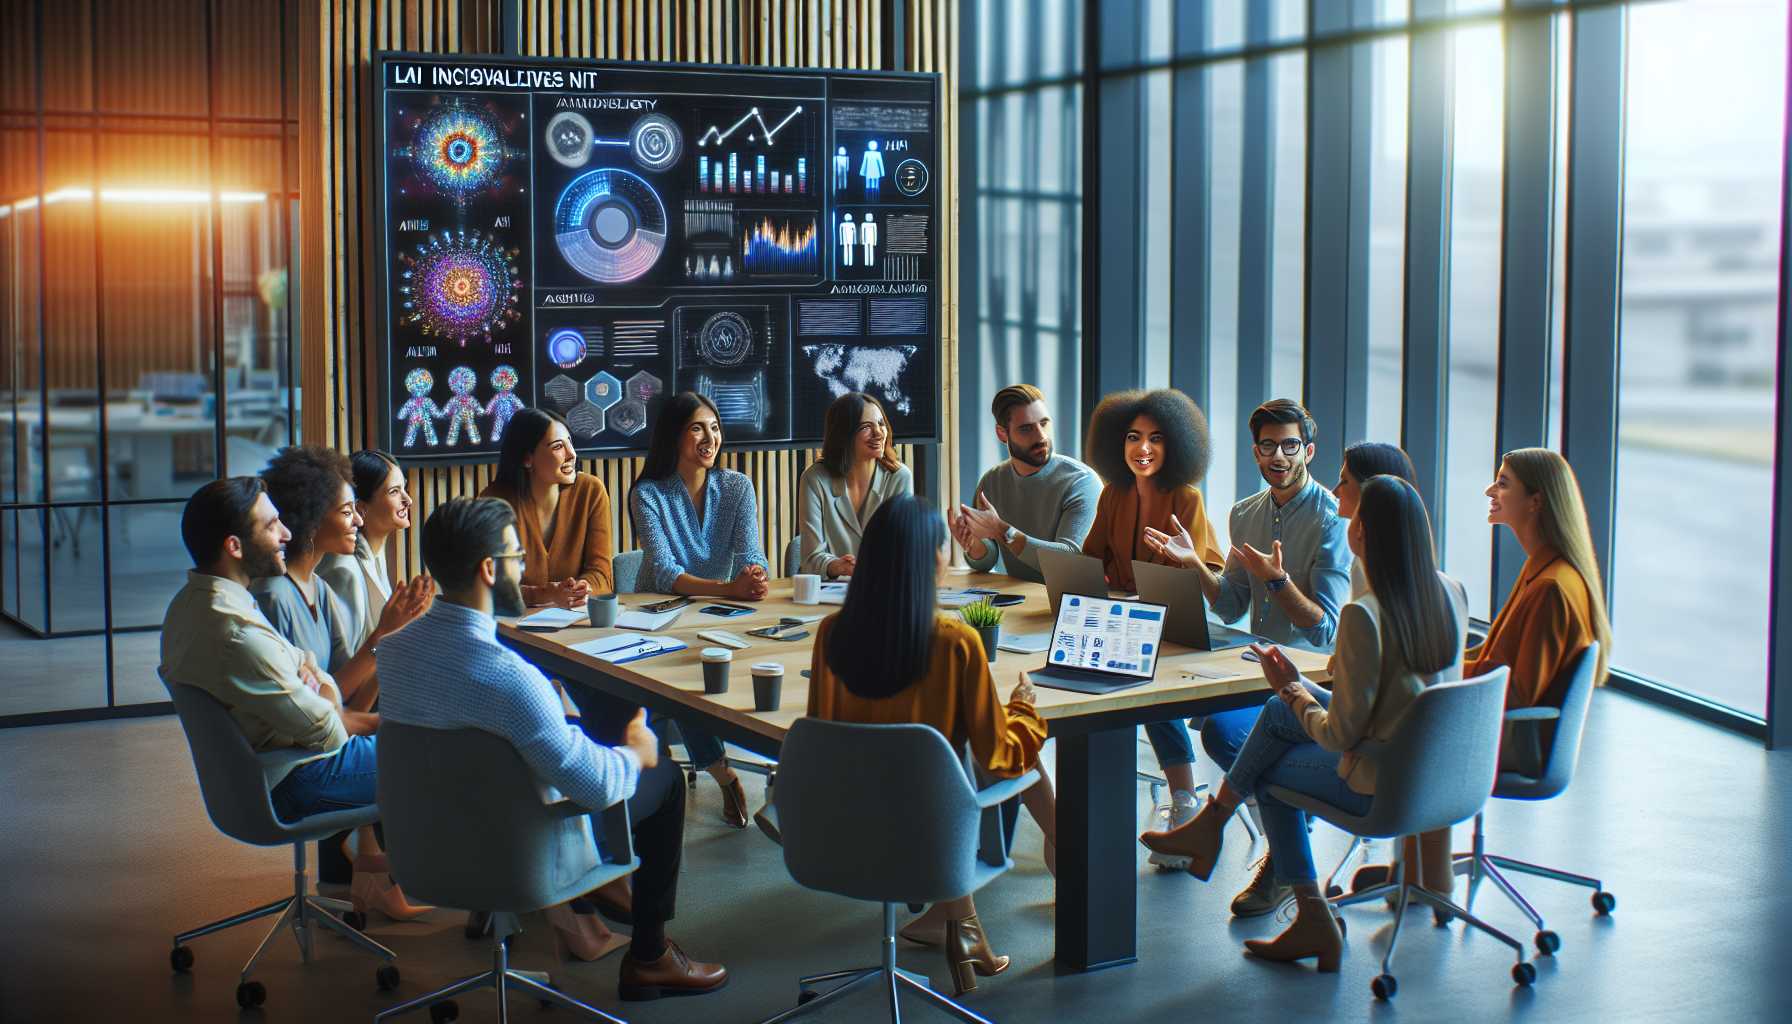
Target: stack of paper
626 647
549 619
640 618
1024 643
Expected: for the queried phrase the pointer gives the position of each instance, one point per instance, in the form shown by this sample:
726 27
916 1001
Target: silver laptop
1102 644
1068 573
1186 622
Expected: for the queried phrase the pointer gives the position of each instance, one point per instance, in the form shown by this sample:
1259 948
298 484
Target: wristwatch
1277 584
1009 535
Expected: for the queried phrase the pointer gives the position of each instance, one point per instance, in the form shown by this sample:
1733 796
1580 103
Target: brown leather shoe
673 974
968 954
734 803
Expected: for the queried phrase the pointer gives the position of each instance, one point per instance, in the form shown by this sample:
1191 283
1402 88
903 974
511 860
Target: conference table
1097 752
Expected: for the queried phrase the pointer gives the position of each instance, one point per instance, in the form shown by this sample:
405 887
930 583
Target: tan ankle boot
1435 868
1314 933
1198 838
968 954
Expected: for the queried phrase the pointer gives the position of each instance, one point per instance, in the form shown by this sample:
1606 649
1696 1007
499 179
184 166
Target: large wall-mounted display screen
591 238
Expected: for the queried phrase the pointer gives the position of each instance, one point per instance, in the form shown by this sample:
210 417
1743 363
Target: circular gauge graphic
458 149
911 177
567 348
725 339
610 225
655 142
569 139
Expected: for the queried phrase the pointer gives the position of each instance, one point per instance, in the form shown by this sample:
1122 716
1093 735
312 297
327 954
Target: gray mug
602 608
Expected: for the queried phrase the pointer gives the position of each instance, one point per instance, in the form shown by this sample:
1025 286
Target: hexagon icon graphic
585 420
629 417
562 392
643 386
603 390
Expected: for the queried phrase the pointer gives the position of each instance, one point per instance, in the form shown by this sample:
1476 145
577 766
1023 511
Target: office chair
438 787
793 556
237 798
1561 754
932 837
1435 771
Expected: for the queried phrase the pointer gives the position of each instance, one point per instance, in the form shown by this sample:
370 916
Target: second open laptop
1068 572
1185 623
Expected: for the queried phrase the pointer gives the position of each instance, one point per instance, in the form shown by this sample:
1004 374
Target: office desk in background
138 438
1097 735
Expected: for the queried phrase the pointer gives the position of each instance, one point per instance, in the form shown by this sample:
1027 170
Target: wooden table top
1183 674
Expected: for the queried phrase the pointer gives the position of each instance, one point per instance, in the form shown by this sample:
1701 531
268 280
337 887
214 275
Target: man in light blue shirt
1289 567
447 670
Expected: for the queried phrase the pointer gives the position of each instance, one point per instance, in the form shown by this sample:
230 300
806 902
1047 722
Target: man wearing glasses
1289 567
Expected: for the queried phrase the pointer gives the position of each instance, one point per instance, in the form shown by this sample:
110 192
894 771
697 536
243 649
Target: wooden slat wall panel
337 153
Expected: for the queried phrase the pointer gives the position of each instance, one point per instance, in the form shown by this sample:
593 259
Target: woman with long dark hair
888 656
698 525
384 505
839 494
562 515
1404 635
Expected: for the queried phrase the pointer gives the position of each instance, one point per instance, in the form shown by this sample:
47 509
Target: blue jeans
1278 753
347 778
1171 742
1223 734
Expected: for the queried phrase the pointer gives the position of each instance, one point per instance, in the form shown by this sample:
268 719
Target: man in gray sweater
1037 499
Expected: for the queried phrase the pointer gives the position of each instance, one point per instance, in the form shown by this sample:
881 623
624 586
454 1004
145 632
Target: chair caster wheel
1332 892
444 1011
355 919
1604 903
807 996
1384 986
251 994
386 978
1547 943
181 959
1524 973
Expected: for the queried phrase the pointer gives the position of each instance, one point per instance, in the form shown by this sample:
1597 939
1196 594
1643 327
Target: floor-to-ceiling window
1596 190
148 180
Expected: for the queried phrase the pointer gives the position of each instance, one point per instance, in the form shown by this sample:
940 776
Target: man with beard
215 637
1289 566
1037 499
447 670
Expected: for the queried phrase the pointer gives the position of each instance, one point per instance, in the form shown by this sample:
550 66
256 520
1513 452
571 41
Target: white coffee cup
806 588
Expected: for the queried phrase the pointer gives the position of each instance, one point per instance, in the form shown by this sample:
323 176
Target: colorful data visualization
591 238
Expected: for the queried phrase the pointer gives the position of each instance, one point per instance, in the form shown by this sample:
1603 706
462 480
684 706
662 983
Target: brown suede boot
1314 933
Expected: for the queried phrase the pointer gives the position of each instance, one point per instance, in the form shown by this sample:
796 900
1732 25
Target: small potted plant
986 619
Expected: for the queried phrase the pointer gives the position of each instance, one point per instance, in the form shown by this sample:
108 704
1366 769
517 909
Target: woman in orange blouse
562 515
1151 448
888 656
1557 607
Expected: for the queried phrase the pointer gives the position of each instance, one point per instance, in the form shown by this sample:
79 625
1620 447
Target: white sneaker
1164 817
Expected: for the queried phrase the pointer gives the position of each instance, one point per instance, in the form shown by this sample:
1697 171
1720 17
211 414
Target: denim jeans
1278 753
347 778
1223 734
1171 742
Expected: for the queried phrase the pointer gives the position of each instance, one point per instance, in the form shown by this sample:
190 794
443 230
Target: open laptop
1070 573
1102 644
1186 622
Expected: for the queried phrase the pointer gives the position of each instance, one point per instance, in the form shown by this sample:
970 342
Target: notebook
622 648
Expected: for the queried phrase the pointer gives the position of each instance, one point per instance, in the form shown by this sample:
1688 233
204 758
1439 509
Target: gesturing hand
407 602
1258 564
1277 669
1023 691
640 739
1178 547
982 522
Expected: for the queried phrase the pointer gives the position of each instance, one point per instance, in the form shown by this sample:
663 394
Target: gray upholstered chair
793 556
931 836
1436 770
234 785
440 786
625 569
1561 752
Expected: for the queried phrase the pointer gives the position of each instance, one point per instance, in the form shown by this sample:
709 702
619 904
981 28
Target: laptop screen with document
1113 637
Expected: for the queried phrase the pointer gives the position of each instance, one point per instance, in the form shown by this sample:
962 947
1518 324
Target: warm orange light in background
164 196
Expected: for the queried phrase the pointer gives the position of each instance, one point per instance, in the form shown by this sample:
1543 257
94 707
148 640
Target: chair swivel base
1523 972
1480 864
893 979
300 911
504 979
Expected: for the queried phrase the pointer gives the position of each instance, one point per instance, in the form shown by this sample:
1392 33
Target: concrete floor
106 851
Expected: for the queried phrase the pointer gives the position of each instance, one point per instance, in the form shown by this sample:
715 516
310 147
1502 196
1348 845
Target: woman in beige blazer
857 474
1404 635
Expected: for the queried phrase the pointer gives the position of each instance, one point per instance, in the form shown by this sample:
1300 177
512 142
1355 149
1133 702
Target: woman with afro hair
1151 448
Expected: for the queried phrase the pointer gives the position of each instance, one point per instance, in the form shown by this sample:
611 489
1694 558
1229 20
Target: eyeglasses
1289 446
521 556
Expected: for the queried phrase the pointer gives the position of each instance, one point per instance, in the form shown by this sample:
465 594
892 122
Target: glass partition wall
148 234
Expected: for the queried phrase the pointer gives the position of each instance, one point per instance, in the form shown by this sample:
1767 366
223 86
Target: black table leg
1097 850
